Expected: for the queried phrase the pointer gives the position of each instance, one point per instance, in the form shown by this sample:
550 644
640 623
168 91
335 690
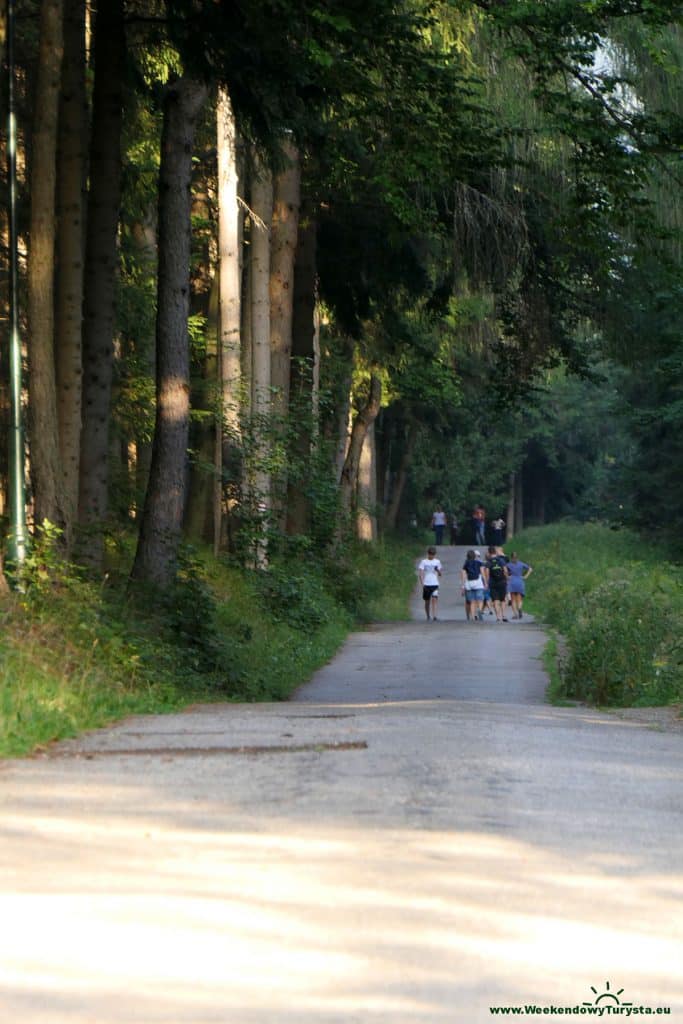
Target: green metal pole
17 484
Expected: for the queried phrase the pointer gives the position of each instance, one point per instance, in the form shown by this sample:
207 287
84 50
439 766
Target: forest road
415 837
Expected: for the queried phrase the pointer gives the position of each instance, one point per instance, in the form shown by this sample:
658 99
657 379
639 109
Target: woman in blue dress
518 572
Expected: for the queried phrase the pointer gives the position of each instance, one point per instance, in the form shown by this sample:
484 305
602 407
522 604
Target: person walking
518 572
438 524
497 526
429 572
473 583
479 521
496 564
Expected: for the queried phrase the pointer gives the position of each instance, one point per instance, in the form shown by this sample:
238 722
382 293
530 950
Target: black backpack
497 568
473 570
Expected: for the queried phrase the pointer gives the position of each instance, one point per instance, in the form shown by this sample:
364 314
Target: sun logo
609 997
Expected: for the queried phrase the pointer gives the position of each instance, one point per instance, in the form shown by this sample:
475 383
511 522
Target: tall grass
617 601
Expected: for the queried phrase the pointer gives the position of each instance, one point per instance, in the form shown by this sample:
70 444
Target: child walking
429 571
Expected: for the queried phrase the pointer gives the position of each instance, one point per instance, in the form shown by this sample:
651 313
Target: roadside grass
616 601
76 656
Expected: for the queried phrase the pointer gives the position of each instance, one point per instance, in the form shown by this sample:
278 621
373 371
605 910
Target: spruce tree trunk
262 205
364 417
156 555
344 423
366 520
71 218
519 502
101 260
304 365
401 477
511 526
43 422
230 301
144 236
286 201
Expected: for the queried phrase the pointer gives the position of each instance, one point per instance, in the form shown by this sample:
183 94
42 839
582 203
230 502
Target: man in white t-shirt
429 570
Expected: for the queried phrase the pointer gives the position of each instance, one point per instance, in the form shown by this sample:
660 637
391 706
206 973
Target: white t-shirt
439 519
429 567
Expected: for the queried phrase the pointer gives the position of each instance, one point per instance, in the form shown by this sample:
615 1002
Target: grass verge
75 656
617 602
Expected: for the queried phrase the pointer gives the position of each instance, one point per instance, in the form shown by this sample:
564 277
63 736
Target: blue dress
515 581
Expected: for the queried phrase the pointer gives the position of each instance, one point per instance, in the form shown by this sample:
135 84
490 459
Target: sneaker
503 620
520 614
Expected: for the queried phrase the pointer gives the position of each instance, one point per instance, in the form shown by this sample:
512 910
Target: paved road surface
414 838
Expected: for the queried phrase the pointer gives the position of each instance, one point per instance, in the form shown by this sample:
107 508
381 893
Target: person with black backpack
473 575
496 563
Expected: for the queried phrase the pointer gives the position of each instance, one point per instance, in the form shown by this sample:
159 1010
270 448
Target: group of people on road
440 520
492 584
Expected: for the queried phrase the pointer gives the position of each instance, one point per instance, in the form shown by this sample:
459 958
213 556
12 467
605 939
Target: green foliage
617 602
75 656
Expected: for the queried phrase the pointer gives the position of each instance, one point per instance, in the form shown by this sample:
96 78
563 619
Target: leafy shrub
618 603
297 598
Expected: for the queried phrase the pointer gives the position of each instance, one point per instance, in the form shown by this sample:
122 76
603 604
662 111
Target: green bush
618 603
76 655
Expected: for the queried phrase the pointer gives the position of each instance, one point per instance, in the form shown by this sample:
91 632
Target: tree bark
366 521
144 237
285 223
230 302
304 367
43 421
262 205
156 555
510 527
519 502
364 417
70 211
402 476
100 275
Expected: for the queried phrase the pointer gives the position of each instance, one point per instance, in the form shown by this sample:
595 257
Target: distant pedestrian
455 526
496 563
429 572
438 524
518 572
479 523
497 527
473 583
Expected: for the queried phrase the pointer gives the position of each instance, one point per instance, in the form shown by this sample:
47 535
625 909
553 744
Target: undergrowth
617 602
75 655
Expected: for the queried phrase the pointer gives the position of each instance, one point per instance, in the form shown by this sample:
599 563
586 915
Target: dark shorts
430 591
499 591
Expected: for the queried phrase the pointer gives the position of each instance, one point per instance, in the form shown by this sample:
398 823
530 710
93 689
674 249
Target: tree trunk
510 525
519 502
100 274
366 522
365 416
70 210
144 237
304 369
43 422
230 302
262 205
343 427
199 510
286 199
402 476
156 555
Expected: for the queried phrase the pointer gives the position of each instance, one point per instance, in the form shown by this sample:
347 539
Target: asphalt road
415 837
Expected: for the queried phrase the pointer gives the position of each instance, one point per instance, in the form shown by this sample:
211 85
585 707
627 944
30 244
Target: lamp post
17 485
